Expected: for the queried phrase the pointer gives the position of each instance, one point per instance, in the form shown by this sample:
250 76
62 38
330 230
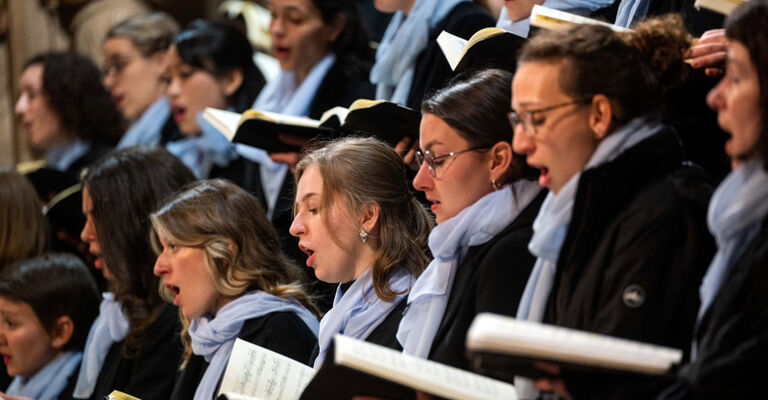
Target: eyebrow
307 196
432 144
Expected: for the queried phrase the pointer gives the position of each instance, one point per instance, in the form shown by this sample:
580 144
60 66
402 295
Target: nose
423 180
715 96
174 87
109 79
88 234
21 105
161 267
276 27
297 226
521 142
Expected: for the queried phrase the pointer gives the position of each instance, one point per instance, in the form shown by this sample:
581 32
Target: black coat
282 332
432 70
634 255
490 278
732 336
150 375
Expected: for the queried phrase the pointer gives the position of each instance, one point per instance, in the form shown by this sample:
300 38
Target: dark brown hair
364 171
241 246
125 187
55 285
72 83
633 69
748 25
485 123
23 230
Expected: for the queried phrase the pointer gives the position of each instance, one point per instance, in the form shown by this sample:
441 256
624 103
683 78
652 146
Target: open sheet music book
254 372
386 121
356 367
724 7
493 338
488 47
549 18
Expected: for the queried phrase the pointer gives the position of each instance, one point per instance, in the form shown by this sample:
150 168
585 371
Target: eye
537 119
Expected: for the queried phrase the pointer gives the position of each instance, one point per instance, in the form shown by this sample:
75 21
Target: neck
302 72
408 7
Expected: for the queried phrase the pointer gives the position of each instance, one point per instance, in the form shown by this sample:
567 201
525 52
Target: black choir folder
503 347
487 48
387 121
353 367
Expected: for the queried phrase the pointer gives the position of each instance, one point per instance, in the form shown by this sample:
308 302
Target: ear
62 332
231 81
500 159
336 27
370 217
158 61
600 116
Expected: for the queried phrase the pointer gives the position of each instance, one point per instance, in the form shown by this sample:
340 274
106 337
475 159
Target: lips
310 254
117 99
281 53
176 291
6 359
178 113
544 177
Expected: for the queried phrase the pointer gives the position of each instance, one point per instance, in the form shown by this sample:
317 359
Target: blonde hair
364 171
241 247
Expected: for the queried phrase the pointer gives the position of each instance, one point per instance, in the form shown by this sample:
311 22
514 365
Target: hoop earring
363 235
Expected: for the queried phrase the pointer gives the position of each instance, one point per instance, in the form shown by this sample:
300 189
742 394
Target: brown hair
485 123
125 187
241 247
364 171
24 230
633 69
747 25
150 33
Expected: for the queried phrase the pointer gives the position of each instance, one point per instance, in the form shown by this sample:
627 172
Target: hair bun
662 41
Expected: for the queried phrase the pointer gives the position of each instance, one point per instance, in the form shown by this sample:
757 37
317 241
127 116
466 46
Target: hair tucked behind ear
364 171
634 69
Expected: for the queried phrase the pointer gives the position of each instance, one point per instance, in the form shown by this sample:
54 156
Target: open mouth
176 291
178 113
6 359
310 254
281 52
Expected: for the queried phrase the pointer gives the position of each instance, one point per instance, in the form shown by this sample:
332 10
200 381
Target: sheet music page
257 372
224 121
452 47
424 375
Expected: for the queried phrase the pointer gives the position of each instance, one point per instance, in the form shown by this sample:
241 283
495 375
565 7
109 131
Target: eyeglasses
434 162
532 118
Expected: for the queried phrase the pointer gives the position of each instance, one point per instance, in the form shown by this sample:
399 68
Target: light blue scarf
110 327
148 129
213 338
47 383
551 226
449 242
523 26
359 311
281 95
631 12
201 153
404 40
61 157
735 216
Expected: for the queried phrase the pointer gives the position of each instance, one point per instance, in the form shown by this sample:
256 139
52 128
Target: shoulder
281 332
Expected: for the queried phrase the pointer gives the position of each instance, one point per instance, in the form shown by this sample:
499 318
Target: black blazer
150 375
491 278
432 70
732 336
633 257
281 332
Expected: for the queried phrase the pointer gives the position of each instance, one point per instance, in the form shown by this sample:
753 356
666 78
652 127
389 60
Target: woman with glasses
134 62
621 240
484 201
360 227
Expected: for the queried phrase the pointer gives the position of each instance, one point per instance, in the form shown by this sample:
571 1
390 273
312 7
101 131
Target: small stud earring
363 235
495 184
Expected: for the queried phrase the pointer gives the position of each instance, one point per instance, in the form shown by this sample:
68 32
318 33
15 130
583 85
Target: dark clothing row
633 257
